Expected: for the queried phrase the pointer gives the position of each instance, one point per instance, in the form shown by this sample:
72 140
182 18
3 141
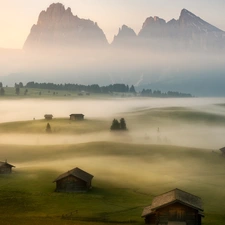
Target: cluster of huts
175 207
76 116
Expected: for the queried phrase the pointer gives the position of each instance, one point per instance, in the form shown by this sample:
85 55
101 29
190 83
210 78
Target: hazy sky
17 16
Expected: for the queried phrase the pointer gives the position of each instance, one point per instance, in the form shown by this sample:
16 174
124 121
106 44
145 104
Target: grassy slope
126 178
63 125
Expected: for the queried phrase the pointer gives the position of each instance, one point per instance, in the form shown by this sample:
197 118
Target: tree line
157 93
94 88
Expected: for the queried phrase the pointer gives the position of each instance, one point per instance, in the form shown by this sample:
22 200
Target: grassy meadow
164 148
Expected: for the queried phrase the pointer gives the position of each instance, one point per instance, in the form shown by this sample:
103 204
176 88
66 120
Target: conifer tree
48 128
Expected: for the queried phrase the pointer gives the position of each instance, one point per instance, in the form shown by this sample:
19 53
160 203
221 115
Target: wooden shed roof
173 196
6 164
76 172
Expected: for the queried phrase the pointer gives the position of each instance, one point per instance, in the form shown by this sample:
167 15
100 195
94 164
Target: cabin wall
174 212
73 117
71 184
5 169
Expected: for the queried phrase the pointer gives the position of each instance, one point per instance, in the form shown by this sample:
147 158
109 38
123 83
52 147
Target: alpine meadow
110 114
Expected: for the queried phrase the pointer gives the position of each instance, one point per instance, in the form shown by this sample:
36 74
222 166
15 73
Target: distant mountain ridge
58 27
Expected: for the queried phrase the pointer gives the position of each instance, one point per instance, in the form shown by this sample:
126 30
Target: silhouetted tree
2 91
48 128
25 92
132 89
17 87
115 125
123 125
20 84
1 85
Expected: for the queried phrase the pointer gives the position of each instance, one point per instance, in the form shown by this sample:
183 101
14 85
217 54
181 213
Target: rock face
126 36
58 27
189 32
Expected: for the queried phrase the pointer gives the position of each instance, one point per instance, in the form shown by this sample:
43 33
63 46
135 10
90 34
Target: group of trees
94 88
157 93
118 125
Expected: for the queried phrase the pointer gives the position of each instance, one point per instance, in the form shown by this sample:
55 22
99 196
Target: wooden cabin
75 180
175 207
223 151
76 116
5 168
48 116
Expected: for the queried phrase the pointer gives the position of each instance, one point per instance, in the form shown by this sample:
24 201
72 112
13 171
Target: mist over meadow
194 122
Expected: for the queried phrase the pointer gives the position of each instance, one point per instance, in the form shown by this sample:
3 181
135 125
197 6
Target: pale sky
18 16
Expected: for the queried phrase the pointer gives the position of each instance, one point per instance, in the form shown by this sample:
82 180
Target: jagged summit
58 27
126 35
189 32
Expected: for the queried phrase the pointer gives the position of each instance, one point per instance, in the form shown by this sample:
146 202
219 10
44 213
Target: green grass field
127 175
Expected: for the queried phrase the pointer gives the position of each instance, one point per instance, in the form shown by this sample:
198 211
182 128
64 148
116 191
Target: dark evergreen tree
17 89
20 84
2 91
1 85
115 125
123 125
48 128
132 89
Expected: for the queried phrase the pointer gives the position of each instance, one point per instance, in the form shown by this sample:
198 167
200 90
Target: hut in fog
5 168
223 151
76 116
48 116
174 207
75 180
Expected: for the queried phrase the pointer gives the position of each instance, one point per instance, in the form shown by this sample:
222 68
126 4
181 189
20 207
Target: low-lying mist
194 122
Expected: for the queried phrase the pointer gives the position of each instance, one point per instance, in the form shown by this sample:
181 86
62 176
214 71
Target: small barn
5 168
175 207
48 116
223 151
76 116
75 180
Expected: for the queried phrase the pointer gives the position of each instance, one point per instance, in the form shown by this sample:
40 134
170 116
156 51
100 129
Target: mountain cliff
188 32
58 27
125 37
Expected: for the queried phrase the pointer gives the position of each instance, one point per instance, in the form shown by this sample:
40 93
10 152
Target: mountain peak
186 14
58 27
124 33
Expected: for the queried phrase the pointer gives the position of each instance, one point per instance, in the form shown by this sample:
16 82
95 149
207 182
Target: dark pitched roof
5 163
77 114
175 195
222 150
76 172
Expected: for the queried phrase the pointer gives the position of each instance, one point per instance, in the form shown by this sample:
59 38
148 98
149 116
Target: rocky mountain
189 32
58 27
126 36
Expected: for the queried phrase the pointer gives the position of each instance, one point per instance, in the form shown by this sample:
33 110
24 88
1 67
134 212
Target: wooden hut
223 151
175 207
76 116
75 180
5 168
48 116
